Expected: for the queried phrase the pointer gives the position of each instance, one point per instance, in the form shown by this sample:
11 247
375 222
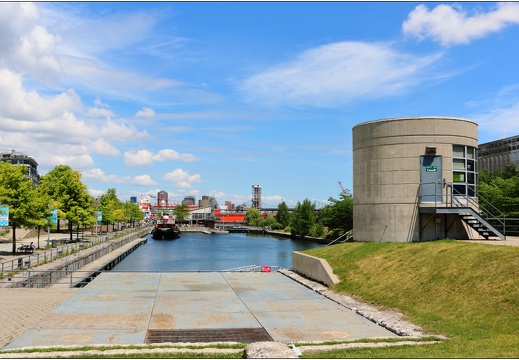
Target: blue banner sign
54 216
4 215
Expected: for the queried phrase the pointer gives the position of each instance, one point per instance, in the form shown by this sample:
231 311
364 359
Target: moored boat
165 229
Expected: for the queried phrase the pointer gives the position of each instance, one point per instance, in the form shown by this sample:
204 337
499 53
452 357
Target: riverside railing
71 278
27 261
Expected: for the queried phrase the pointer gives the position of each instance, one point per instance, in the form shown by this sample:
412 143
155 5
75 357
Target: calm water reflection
213 252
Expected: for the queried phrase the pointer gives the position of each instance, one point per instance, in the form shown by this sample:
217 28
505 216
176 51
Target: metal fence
28 261
73 278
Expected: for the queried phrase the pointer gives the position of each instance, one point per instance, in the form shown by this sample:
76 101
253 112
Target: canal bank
108 253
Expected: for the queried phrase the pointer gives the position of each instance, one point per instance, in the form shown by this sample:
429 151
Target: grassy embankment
467 292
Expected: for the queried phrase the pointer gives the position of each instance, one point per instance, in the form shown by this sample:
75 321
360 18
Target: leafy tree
338 215
42 208
70 195
108 204
18 193
270 221
181 213
283 215
253 217
303 218
135 214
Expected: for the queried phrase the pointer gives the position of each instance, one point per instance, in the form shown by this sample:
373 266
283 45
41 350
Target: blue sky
199 98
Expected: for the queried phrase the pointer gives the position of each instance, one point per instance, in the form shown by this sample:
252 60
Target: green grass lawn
467 292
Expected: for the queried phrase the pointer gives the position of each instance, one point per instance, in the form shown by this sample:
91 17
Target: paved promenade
138 308
35 310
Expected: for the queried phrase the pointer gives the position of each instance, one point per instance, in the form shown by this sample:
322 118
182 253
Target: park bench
25 248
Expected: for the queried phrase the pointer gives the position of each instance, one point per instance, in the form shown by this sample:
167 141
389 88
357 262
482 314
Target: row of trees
501 189
331 221
61 188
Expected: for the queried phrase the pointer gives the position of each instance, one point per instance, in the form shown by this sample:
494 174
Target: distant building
18 158
256 196
162 198
495 155
229 205
189 200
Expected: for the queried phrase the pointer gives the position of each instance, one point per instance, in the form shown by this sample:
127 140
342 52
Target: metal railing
453 198
254 268
347 235
42 257
71 278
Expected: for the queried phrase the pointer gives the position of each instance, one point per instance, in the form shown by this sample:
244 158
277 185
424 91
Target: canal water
194 251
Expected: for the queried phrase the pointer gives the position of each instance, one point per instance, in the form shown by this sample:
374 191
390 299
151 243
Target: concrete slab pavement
131 308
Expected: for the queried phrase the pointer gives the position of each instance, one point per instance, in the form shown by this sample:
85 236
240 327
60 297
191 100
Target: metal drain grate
242 335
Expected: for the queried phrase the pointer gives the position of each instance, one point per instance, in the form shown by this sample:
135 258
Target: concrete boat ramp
139 308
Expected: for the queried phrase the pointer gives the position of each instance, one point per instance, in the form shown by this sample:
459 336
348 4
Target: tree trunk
70 230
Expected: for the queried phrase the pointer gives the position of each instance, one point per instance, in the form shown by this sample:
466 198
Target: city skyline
210 98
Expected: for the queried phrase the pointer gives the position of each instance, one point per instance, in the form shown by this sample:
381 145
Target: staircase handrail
455 201
349 235
482 210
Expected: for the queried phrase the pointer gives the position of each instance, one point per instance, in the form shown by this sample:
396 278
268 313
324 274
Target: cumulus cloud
143 180
181 178
100 176
146 157
451 25
102 147
339 73
25 45
80 161
145 112
100 112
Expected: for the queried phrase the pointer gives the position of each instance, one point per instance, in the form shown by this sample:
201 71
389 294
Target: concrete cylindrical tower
391 158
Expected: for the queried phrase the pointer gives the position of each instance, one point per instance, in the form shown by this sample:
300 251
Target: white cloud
80 162
99 112
181 178
102 147
339 73
145 112
171 155
138 158
143 180
99 175
146 157
26 46
451 25
99 103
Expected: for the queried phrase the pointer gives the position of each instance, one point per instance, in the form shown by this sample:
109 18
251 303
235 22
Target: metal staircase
471 210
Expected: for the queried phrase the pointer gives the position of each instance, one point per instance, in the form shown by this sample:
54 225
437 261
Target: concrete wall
386 172
313 268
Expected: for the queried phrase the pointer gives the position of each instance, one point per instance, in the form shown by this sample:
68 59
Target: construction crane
343 190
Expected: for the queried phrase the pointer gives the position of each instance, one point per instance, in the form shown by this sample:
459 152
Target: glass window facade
464 170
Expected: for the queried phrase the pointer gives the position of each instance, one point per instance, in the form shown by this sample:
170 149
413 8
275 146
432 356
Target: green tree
108 205
18 193
70 195
338 216
253 217
181 213
283 215
135 214
303 218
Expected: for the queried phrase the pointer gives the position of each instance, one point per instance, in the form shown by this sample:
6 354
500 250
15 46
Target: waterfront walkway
137 308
